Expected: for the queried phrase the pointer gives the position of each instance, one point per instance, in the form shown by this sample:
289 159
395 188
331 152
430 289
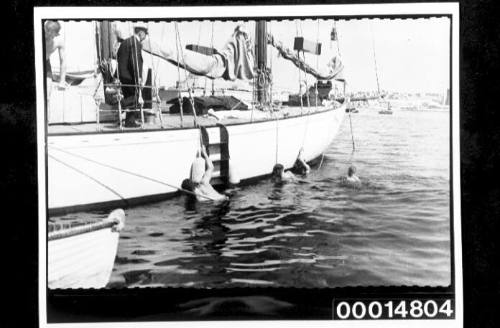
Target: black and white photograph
251 148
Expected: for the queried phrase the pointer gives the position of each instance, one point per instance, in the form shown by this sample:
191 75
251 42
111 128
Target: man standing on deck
53 43
130 62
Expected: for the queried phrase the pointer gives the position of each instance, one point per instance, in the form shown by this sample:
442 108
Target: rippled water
315 232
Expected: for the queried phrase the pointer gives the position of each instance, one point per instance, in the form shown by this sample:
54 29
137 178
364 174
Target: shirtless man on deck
53 43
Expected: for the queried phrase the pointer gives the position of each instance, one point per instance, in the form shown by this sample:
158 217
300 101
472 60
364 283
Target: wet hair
52 25
188 184
351 170
278 170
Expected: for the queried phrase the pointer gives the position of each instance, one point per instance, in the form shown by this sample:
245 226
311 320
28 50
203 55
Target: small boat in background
387 111
82 255
351 109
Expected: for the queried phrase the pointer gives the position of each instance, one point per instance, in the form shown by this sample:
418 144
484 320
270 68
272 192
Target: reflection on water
316 231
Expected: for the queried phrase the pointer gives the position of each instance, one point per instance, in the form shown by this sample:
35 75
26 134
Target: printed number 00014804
401 309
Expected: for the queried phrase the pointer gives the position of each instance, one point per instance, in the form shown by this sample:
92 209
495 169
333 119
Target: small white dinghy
82 256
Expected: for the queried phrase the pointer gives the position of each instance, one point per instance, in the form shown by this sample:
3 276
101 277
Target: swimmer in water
301 167
280 175
351 179
199 183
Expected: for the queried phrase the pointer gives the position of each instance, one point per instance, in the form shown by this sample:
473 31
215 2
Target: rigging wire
270 72
200 139
317 65
126 172
137 81
154 74
307 90
212 45
185 75
179 97
88 176
350 119
300 75
375 58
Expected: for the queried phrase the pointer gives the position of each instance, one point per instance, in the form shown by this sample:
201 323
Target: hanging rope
154 88
352 132
307 86
204 78
137 82
254 89
350 119
269 78
276 137
185 75
119 96
179 97
317 66
212 45
307 92
300 75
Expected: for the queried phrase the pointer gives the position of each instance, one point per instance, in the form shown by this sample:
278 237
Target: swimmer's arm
209 169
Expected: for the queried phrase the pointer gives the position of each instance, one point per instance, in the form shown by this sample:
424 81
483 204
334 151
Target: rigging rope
128 172
300 76
120 94
268 77
179 97
317 66
185 75
88 176
276 137
154 75
137 81
212 45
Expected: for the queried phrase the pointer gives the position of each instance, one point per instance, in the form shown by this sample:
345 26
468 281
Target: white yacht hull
93 170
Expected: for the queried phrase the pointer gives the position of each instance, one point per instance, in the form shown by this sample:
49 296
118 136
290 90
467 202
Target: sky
412 55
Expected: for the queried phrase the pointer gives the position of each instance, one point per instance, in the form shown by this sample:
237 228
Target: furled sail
234 61
334 68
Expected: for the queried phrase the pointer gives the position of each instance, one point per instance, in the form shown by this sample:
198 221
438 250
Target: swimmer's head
278 170
188 185
351 170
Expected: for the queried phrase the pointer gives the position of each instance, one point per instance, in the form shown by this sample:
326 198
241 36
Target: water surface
315 232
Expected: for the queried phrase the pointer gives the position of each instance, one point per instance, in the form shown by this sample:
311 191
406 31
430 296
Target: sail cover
234 61
334 69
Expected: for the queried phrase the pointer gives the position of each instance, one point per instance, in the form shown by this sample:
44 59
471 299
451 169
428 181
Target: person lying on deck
199 183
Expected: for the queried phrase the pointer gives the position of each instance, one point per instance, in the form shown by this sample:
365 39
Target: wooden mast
261 59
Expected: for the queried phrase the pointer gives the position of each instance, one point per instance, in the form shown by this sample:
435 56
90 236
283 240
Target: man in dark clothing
129 58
